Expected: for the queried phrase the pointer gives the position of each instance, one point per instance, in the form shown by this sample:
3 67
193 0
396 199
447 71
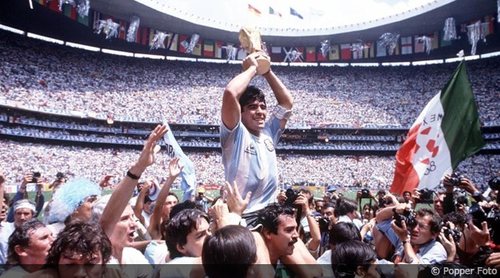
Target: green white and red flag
446 132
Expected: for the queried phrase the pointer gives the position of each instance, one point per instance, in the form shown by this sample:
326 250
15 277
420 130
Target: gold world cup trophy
250 40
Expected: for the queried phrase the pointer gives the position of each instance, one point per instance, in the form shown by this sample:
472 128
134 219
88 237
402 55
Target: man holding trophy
249 141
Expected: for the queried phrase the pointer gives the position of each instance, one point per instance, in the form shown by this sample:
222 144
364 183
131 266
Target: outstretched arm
230 101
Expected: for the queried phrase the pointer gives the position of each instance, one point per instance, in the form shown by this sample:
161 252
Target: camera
365 193
455 233
324 224
408 216
36 176
60 175
455 179
426 196
291 197
494 183
478 215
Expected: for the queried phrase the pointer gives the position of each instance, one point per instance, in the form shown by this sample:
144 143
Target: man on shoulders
249 141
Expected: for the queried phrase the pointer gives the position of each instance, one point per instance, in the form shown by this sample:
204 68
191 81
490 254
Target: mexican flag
446 132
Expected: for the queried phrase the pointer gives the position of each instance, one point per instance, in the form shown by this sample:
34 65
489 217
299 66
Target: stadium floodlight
491 54
427 62
303 64
44 38
149 56
10 29
217 61
334 64
396 64
235 62
119 53
365 64
279 64
83 46
172 58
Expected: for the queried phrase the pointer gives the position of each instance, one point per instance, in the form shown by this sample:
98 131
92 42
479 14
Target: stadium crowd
342 171
44 76
80 231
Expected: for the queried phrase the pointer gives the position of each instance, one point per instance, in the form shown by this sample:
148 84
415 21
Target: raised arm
139 204
283 96
121 195
155 220
230 101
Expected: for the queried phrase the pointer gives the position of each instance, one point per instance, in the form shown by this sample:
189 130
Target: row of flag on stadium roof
273 11
218 49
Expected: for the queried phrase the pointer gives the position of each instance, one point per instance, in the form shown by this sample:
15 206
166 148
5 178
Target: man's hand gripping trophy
250 40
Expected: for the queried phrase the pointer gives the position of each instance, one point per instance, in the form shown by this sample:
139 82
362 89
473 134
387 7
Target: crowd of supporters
50 77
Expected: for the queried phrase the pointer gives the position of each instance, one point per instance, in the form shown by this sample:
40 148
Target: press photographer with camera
418 237
22 193
450 182
300 200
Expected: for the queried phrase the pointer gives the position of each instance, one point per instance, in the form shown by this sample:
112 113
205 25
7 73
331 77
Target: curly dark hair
268 217
80 238
251 94
21 236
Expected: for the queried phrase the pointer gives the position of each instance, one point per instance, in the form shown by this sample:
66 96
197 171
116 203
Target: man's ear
266 233
181 249
360 271
20 251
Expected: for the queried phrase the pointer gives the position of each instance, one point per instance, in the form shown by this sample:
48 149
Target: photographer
22 193
418 237
452 181
300 200
328 219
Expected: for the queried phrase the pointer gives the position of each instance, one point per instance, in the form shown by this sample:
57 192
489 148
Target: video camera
407 216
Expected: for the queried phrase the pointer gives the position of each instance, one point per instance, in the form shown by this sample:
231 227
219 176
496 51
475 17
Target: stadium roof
425 19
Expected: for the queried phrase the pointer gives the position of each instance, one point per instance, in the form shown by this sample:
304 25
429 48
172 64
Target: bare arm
155 221
230 101
139 204
281 93
120 197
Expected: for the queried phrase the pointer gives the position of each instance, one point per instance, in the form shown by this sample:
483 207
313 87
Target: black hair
180 207
229 252
80 238
251 94
347 256
268 217
179 227
343 231
21 236
345 206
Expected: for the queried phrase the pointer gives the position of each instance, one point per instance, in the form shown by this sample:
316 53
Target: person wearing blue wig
72 201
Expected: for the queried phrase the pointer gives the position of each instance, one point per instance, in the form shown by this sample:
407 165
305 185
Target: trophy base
264 64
